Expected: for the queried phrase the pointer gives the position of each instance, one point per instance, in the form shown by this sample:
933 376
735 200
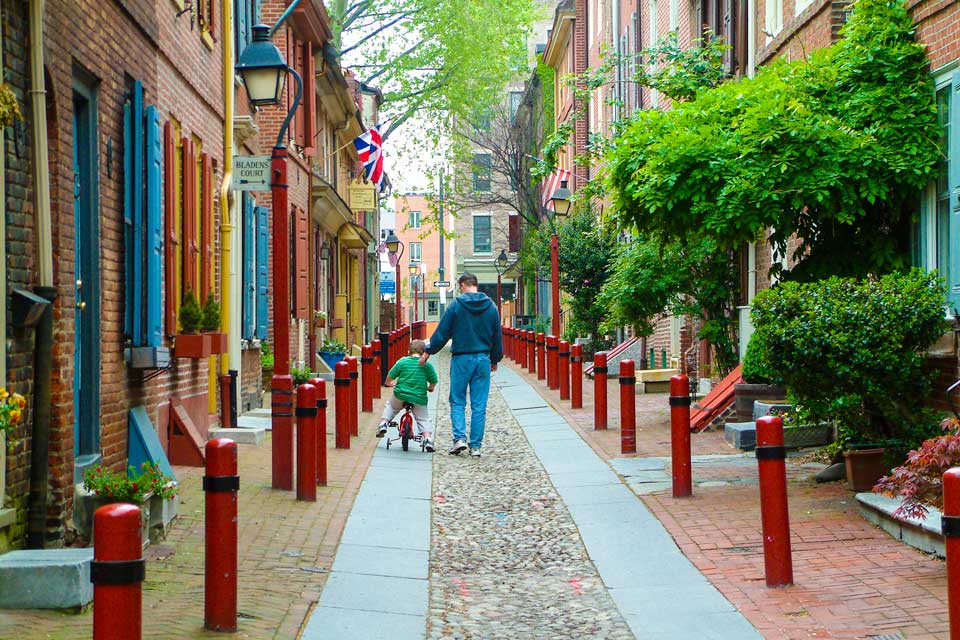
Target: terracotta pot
864 468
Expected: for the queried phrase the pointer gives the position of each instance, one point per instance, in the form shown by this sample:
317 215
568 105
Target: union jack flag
550 186
369 147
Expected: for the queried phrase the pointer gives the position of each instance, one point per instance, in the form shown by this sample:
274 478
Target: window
801 5
433 308
482 171
654 94
414 220
674 14
774 18
516 98
931 234
416 251
481 234
143 230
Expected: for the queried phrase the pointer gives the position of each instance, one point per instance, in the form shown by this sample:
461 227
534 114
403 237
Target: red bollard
220 484
366 378
520 352
950 526
553 376
375 382
282 450
507 335
354 404
775 519
541 357
628 407
576 376
600 390
307 443
116 573
564 369
680 436
321 386
341 390
530 345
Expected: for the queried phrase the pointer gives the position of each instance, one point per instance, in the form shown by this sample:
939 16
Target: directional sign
251 173
441 284
388 282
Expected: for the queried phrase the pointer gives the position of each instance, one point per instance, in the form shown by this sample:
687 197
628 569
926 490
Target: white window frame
773 20
800 5
674 15
414 220
416 251
473 234
654 33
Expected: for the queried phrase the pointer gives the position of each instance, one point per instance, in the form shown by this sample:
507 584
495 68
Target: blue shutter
129 304
242 25
256 12
133 213
953 173
154 222
263 238
249 267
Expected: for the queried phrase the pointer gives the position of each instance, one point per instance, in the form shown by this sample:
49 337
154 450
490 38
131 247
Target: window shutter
263 257
170 224
242 26
303 272
128 195
249 268
188 232
310 100
136 182
153 330
206 226
513 238
300 114
953 173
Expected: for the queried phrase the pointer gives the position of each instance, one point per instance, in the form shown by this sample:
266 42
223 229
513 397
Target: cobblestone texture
506 558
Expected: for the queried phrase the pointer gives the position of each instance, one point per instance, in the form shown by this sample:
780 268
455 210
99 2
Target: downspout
228 270
43 349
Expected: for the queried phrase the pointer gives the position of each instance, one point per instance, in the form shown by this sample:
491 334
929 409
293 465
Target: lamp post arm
293 108
284 16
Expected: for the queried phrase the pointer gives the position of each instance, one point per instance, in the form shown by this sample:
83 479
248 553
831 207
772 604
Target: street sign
251 173
388 282
441 284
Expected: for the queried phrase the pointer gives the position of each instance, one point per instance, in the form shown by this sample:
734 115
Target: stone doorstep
920 533
46 579
241 435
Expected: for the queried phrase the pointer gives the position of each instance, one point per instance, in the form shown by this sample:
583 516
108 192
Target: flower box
218 342
162 513
193 345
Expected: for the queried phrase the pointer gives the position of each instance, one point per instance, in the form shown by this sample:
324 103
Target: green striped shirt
412 379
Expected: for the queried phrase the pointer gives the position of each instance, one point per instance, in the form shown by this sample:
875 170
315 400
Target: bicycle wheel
406 430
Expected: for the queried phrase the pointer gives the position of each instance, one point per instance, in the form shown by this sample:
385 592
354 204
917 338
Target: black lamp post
500 264
263 70
561 207
395 247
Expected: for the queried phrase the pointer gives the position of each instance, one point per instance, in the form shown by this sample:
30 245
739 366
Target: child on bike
411 381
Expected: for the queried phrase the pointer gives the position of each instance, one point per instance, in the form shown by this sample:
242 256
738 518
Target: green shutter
953 171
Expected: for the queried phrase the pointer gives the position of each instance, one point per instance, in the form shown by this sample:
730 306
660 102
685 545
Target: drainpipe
43 350
228 271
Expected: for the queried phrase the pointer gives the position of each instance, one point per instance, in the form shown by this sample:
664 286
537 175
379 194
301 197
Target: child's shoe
382 429
428 445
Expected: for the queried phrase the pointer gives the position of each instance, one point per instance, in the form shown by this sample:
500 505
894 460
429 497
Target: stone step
46 579
250 421
241 435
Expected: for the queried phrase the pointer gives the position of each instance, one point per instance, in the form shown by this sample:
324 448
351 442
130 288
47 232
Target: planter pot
162 513
808 435
218 342
320 323
332 358
193 345
864 467
747 393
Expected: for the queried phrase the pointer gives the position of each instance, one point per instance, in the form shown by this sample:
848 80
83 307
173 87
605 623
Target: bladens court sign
251 173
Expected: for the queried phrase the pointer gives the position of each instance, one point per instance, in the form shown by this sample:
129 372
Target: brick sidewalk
852 580
286 550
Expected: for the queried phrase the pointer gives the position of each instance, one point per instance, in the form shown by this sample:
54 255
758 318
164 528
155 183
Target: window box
218 342
147 357
193 345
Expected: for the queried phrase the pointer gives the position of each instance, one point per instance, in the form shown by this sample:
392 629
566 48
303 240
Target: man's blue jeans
473 370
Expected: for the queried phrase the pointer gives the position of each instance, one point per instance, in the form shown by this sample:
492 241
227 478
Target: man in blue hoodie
472 322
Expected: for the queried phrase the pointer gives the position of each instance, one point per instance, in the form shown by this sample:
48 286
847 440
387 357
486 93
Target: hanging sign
251 173
363 196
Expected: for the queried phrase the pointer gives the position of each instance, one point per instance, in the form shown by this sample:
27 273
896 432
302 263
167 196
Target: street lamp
263 68
395 247
561 207
414 271
501 265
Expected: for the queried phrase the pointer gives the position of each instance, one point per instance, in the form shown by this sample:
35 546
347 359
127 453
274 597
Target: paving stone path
506 558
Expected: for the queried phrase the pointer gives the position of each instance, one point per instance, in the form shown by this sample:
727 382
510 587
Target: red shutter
170 230
188 232
310 102
513 236
300 66
206 227
302 271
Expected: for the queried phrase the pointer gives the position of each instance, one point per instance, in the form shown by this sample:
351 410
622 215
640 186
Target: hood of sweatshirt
475 302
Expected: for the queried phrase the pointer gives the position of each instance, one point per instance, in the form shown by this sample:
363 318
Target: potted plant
210 323
164 501
852 351
332 352
320 319
108 486
11 414
190 343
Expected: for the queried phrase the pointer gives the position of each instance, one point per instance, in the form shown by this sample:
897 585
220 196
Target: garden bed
921 533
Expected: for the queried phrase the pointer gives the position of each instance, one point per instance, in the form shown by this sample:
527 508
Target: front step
241 435
46 579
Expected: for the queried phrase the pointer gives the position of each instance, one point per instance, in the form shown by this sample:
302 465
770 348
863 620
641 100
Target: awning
354 236
329 209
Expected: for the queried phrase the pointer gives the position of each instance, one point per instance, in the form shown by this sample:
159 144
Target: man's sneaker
458 446
475 453
428 445
382 430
